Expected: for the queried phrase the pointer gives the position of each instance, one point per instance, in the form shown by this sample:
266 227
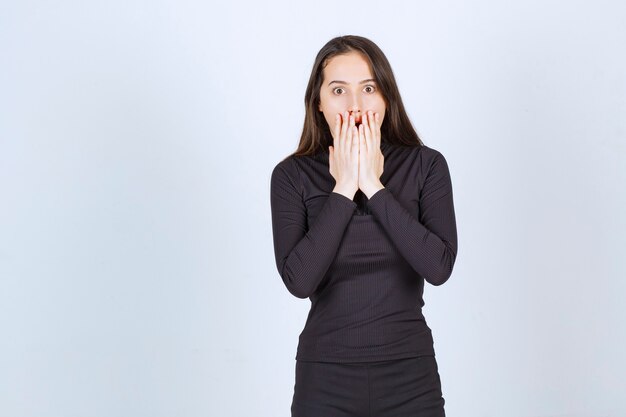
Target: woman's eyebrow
343 82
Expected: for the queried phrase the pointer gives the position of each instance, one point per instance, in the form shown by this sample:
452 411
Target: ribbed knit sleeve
304 252
429 244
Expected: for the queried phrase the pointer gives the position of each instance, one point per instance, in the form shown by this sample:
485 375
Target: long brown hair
396 127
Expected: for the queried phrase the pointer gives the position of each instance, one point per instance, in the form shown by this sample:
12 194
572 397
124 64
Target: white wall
137 273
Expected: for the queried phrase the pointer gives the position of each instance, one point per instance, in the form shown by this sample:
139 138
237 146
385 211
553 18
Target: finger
377 129
345 128
362 143
368 130
348 145
337 129
353 131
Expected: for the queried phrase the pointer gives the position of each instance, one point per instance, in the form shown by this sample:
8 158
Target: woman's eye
369 89
338 90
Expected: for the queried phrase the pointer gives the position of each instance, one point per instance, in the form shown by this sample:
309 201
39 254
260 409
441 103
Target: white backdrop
137 138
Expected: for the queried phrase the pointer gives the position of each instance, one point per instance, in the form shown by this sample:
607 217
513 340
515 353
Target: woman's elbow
443 273
294 287
297 292
440 278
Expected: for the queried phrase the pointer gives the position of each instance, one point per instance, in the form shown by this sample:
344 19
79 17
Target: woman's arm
428 245
304 256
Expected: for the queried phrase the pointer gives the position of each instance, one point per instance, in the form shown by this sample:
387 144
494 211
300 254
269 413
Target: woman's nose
355 106
355 109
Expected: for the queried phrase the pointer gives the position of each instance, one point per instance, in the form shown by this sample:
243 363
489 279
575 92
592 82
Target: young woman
362 215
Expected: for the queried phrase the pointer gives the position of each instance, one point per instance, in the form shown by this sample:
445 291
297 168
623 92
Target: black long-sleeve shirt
363 262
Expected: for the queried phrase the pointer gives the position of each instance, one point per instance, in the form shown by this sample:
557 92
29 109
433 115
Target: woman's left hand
371 159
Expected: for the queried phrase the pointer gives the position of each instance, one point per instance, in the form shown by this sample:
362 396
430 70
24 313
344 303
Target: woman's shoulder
284 167
293 163
290 161
290 167
425 159
423 152
433 162
284 176
431 153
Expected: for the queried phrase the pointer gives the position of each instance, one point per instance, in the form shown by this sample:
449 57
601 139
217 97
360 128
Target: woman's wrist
370 190
348 191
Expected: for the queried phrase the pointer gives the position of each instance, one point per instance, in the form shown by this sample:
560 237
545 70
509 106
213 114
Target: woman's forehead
350 68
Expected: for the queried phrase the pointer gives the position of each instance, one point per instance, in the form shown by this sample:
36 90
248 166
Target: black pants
397 388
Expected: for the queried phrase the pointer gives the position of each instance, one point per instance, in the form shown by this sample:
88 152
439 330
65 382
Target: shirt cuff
378 195
342 199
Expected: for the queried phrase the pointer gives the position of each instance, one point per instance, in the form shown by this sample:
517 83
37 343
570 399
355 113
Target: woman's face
348 85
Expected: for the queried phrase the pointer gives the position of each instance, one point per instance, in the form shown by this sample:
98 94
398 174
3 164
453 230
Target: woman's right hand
343 158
